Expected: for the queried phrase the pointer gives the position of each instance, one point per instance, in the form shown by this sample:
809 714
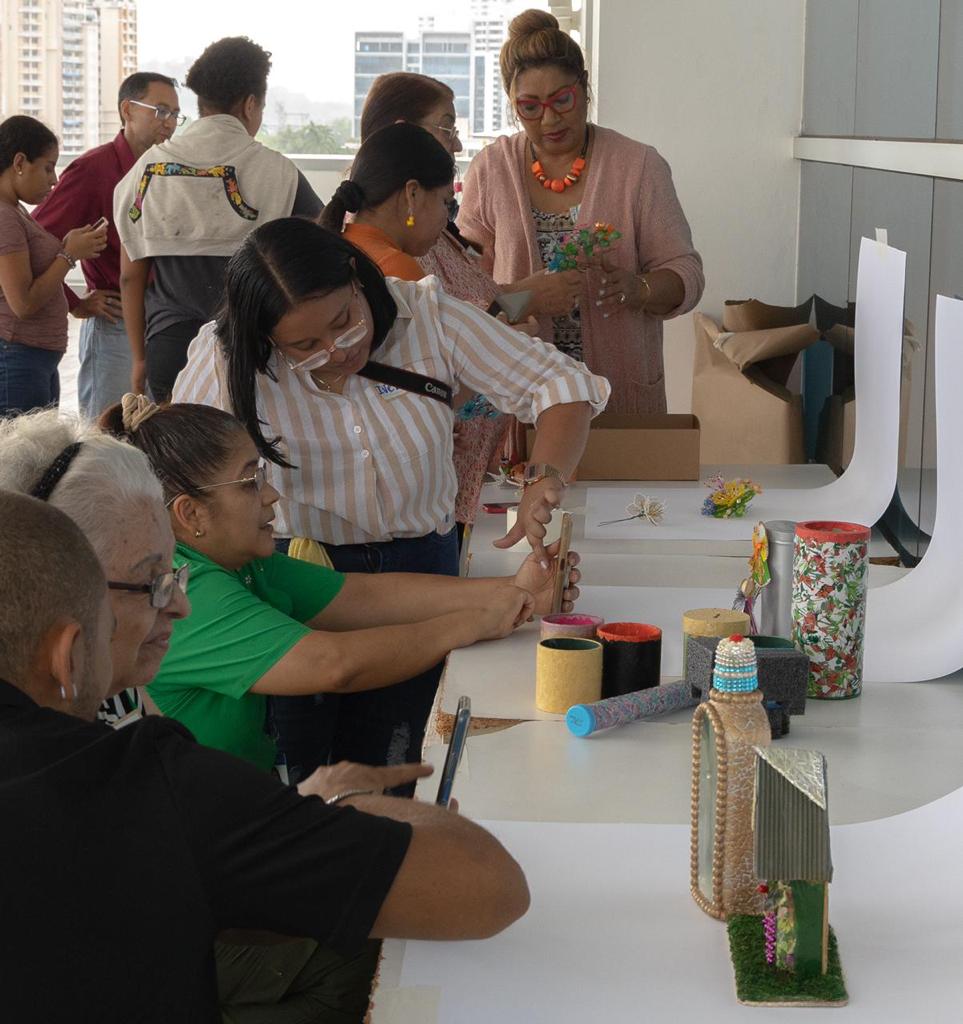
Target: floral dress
480 441
550 228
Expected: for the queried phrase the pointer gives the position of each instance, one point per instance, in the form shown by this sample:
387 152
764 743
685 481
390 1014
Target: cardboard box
624 446
746 416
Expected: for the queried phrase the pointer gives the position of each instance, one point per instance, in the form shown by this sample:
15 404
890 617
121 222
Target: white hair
108 482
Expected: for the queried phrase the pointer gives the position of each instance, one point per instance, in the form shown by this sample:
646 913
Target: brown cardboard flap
746 348
745 417
625 446
753 315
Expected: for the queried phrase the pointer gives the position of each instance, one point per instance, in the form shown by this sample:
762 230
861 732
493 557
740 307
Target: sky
312 42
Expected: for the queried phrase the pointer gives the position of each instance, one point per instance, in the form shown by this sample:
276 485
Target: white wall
716 87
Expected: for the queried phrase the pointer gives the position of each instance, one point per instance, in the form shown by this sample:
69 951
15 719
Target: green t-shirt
242 622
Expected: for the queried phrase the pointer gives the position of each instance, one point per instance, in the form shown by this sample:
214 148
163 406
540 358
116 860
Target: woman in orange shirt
400 187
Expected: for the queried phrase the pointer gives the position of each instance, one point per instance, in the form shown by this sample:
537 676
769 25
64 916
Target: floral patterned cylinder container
830 568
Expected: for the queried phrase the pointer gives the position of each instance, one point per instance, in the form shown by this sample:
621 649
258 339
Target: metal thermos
776 616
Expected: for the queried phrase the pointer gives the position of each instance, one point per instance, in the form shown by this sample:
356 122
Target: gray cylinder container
776 616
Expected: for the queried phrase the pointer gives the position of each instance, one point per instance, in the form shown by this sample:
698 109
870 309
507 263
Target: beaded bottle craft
726 730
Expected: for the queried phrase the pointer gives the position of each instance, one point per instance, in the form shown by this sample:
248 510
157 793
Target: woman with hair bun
33 265
526 191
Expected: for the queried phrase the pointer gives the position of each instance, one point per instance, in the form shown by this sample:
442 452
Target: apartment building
62 61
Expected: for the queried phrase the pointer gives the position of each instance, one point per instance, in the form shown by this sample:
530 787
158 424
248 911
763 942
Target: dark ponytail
386 161
278 266
187 445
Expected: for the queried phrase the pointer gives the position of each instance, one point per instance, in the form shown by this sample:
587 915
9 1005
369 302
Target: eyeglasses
160 588
163 113
352 337
530 108
258 480
452 132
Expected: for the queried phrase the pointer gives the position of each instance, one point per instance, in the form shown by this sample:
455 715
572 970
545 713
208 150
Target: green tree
311 137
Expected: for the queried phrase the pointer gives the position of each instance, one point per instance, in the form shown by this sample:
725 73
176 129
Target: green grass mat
757 982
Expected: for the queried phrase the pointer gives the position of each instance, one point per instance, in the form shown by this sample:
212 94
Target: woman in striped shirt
362 465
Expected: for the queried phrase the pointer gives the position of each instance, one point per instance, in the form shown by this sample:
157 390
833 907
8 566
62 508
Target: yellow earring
410 222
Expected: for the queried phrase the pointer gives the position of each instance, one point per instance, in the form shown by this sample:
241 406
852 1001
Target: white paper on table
913 626
863 492
613 934
499 677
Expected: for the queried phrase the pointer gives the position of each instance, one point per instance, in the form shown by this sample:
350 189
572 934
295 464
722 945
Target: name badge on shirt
387 391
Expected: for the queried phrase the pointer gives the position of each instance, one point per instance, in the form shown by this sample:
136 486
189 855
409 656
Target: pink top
47 328
479 440
627 184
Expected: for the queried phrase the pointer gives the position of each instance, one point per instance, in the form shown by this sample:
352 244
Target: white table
891 753
894 748
499 676
489 561
555 797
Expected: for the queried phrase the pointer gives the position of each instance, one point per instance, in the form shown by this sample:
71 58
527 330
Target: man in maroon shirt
150 111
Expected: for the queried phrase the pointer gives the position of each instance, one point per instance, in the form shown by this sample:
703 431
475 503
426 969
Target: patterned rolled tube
830 568
584 719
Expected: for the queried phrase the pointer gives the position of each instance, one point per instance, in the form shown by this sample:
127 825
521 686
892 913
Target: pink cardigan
627 184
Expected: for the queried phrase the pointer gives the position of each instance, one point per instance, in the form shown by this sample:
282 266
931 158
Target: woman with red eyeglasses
525 193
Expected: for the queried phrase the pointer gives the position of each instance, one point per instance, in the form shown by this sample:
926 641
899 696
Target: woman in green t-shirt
263 623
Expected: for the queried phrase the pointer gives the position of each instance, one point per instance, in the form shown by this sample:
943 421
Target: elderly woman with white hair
109 489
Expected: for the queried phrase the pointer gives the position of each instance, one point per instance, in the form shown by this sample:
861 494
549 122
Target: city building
443 55
466 60
62 61
489 28
117 21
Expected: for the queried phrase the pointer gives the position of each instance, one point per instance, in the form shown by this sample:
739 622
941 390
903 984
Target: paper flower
582 244
650 509
477 407
507 476
730 499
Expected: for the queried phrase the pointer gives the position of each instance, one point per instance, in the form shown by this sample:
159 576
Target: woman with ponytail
290 627
400 186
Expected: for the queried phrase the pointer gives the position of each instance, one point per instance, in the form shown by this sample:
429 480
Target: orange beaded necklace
575 172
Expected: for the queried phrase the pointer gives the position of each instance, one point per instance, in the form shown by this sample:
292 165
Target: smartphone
456 747
512 304
102 223
499 507
562 567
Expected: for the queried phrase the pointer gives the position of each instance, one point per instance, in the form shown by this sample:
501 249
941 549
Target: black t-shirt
123 853
190 287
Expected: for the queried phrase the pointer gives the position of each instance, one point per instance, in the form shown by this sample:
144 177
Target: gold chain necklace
325 385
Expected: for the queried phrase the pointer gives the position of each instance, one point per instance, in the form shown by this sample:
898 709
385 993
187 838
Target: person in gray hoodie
187 204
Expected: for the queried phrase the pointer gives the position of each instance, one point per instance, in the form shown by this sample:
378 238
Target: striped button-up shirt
375 462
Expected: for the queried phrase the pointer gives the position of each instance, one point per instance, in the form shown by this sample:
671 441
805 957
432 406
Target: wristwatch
536 471
67 258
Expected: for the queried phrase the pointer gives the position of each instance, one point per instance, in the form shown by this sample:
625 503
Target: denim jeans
104 374
28 378
385 726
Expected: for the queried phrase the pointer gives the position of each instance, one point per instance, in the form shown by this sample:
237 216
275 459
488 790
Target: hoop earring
410 222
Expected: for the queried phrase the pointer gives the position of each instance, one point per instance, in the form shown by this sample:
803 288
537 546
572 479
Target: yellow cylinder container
568 670
711 622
